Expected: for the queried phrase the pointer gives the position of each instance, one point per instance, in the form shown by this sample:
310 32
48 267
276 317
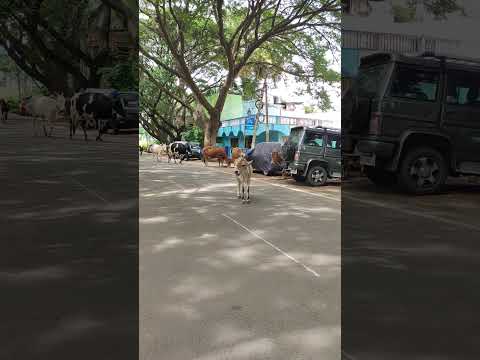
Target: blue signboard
249 123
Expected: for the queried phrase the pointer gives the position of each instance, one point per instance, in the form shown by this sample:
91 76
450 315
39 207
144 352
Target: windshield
295 135
371 79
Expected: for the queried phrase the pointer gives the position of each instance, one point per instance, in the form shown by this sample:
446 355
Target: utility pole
259 105
267 130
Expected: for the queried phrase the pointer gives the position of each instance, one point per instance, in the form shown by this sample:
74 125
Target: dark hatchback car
414 120
313 154
195 151
131 107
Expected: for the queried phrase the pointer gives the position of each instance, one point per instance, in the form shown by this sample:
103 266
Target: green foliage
309 109
403 14
13 103
439 8
122 76
214 46
193 134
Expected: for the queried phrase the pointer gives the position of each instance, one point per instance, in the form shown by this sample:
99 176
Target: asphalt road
410 265
222 280
68 261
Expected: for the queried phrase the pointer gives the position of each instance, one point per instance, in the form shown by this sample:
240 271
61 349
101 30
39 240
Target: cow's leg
84 128
205 160
248 191
238 186
101 129
243 191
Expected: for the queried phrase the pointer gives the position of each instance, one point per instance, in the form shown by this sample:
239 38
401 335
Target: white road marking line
273 246
413 213
94 193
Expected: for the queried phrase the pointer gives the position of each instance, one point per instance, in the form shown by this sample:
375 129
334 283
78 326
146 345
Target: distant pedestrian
4 108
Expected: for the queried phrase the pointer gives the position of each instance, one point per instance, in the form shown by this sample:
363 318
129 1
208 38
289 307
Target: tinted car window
414 84
333 141
370 80
463 88
295 135
314 139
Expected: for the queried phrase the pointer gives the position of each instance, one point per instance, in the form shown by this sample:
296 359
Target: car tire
317 175
380 177
423 171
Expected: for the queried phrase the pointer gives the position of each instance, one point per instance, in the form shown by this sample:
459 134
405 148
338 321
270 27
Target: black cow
96 106
177 150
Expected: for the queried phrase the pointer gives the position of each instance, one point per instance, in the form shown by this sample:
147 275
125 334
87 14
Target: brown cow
213 152
236 154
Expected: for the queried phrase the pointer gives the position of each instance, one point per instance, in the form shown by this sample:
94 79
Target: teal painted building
238 131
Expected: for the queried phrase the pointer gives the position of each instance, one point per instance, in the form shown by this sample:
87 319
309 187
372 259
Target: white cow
49 110
243 174
158 150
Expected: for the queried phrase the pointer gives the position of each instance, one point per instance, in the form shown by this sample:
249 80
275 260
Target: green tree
211 42
45 38
193 134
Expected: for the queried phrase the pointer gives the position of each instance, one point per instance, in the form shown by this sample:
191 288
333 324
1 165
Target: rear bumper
379 149
295 168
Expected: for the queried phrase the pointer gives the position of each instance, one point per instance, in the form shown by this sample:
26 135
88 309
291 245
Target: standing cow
158 150
4 108
236 153
213 152
177 150
243 174
85 107
48 109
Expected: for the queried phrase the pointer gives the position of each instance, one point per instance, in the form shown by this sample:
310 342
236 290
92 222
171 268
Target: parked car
262 158
414 120
195 151
313 154
130 104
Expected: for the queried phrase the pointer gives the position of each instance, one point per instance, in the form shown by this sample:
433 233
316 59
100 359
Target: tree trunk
211 129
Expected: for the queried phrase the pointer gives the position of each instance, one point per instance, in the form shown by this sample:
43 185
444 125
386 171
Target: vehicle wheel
423 171
317 175
266 173
380 177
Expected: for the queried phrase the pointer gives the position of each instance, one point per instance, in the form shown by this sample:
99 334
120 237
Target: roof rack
328 129
442 57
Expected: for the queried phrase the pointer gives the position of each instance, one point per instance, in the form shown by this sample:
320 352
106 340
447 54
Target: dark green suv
414 120
313 154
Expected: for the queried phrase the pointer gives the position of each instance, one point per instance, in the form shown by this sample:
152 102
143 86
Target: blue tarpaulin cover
262 157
